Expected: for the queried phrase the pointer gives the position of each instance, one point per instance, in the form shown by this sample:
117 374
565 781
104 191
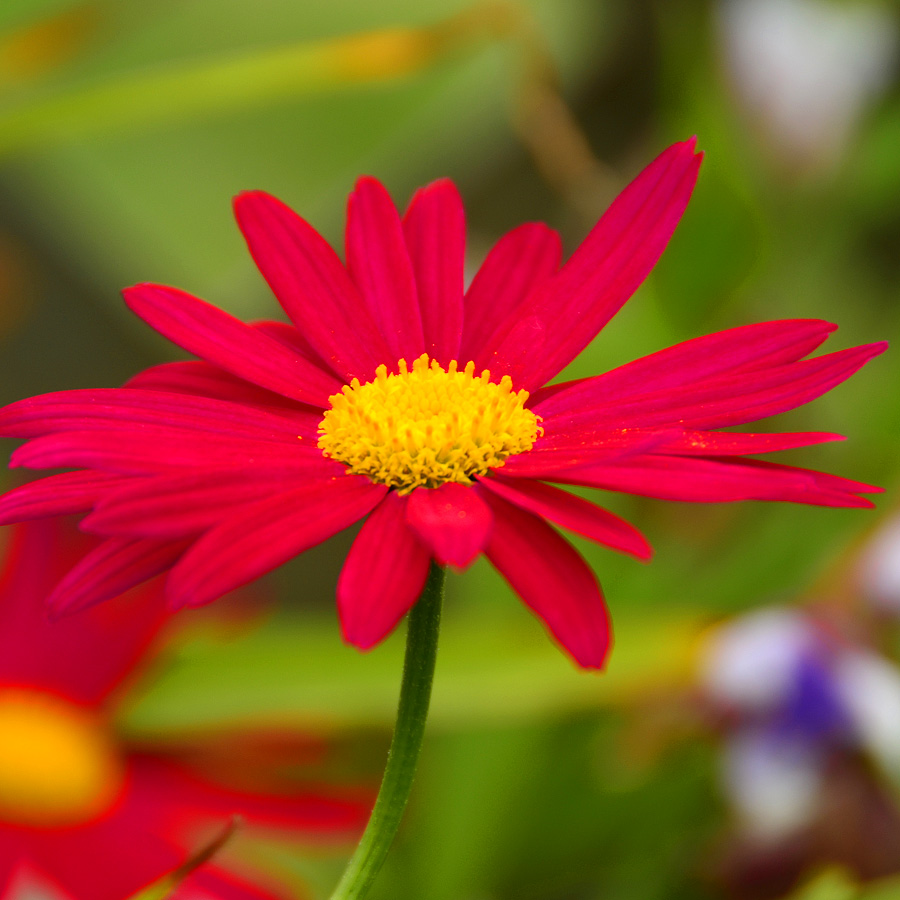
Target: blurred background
719 755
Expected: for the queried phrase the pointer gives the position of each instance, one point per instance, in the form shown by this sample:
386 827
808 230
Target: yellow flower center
428 426
58 766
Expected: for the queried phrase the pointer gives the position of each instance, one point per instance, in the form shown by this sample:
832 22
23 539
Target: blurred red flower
370 404
78 811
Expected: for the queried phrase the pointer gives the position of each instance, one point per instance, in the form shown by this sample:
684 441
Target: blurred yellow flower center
58 766
427 426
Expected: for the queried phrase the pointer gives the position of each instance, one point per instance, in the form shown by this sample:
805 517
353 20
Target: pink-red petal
719 402
83 657
520 261
220 339
567 445
382 576
154 449
434 226
312 285
114 567
553 580
564 314
571 512
205 380
452 521
56 495
741 443
700 480
737 350
178 505
267 534
557 452
178 792
381 269
295 341
124 408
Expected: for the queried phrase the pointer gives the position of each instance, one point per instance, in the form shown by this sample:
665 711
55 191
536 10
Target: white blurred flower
807 69
795 696
878 570
773 784
870 689
751 662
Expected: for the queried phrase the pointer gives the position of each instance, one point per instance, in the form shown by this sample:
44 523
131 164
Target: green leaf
16 13
831 884
202 89
490 670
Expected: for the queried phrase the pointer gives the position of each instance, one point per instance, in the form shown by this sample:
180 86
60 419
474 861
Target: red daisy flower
77 810
397 396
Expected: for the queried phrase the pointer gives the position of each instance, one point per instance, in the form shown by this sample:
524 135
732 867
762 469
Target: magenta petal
213 335
737 350
571 512
520 261
154 449
125 408
85 657
553 580
741 443
567 445
111 569
727 400
175 506
381 269
382 576
563 315
268 533
452 521
435 230
312 285
312 812
205 380
700 480
295 341
57 495
559 451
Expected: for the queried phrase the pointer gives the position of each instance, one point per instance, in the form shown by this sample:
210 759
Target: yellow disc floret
58 766
427 426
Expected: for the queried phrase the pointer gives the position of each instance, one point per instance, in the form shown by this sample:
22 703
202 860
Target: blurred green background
126 127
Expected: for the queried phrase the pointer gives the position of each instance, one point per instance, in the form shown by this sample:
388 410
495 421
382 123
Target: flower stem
412 710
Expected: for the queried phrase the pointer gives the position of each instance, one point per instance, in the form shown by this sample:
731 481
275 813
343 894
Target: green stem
415 695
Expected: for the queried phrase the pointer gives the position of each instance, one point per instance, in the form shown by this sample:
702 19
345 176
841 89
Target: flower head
398 397
79 811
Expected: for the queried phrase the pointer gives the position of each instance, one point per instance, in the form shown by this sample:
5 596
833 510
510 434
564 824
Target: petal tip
357 640
249 206
594 660
688 148
367 183
136 291
645 555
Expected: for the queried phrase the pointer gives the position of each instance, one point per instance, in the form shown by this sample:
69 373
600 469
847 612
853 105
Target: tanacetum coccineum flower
78 811
398 396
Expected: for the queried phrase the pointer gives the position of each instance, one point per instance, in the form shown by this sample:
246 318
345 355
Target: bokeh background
126 127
